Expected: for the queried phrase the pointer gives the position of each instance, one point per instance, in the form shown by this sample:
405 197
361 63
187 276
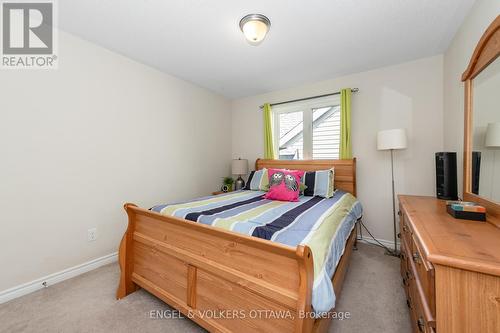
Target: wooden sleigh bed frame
225 281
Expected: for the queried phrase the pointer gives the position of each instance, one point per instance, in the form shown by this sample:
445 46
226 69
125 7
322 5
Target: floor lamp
392 140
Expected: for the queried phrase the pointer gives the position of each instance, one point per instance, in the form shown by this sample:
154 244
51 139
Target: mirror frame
487 50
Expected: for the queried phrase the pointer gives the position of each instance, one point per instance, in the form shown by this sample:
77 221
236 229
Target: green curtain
345 124
268 132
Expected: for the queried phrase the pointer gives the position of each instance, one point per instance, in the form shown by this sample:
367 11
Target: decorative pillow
284 184
257 180
319 183
302 188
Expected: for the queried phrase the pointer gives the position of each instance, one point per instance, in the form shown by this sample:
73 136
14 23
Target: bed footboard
223 281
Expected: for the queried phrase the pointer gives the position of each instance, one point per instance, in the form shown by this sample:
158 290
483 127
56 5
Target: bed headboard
345 170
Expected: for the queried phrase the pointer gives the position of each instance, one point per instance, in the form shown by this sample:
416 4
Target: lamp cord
376 240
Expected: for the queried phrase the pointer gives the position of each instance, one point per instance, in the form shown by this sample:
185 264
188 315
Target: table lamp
239 167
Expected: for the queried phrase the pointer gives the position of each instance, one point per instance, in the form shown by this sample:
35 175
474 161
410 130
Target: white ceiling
200 41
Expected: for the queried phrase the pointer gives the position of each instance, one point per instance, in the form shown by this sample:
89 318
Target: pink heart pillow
284 185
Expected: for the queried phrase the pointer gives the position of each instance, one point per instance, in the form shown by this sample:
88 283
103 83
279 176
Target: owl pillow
284 184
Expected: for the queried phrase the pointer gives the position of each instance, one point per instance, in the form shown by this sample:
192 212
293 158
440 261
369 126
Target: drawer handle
399 213
416 257
408 302
399 235
420 324
405 229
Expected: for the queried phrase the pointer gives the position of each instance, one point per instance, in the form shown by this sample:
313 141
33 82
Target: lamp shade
492 135
239 167
391 139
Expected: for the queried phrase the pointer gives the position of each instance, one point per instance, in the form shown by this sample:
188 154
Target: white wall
78 142
456 60
408 95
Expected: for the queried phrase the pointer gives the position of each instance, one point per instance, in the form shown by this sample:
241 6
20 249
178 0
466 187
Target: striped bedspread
322 224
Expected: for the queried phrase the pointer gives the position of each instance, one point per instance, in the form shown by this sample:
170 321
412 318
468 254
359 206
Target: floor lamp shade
492 135
392 139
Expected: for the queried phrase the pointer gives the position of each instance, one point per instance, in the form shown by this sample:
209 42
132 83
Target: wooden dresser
450 269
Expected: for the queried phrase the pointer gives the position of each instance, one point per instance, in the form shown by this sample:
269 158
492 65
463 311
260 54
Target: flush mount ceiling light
255 28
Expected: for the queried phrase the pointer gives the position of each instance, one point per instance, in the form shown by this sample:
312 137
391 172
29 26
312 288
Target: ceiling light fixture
255 28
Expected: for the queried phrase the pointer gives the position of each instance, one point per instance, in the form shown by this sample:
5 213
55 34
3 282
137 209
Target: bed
228 281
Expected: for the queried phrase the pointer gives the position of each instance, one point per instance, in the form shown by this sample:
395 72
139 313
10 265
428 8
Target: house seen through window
308 130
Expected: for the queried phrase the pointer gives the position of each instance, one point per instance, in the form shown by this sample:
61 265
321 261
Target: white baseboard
369 240
49 280
26 288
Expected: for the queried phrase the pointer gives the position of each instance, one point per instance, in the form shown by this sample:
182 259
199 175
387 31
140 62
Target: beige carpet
372 293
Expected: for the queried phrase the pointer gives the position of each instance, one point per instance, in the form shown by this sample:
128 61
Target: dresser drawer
422 320
405 270
404 258
425 272
418 278
405 231
423 300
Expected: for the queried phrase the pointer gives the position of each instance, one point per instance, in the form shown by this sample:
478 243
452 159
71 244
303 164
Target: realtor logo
28 34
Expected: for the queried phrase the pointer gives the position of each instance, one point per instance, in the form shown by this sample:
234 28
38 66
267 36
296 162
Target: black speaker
446 176
476 168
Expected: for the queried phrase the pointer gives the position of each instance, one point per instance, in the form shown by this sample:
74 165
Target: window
308 130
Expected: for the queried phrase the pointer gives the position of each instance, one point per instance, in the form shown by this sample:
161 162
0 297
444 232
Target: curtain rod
307 98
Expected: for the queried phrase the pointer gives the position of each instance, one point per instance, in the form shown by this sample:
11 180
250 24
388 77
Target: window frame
306 107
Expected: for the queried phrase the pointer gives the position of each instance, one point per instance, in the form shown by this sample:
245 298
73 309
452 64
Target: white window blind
308 130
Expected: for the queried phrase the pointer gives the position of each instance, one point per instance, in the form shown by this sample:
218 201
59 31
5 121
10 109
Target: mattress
322 224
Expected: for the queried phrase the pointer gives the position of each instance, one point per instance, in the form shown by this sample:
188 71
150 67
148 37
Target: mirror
482 124
485 171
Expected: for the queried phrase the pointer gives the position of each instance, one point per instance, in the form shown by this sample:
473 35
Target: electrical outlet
92 234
